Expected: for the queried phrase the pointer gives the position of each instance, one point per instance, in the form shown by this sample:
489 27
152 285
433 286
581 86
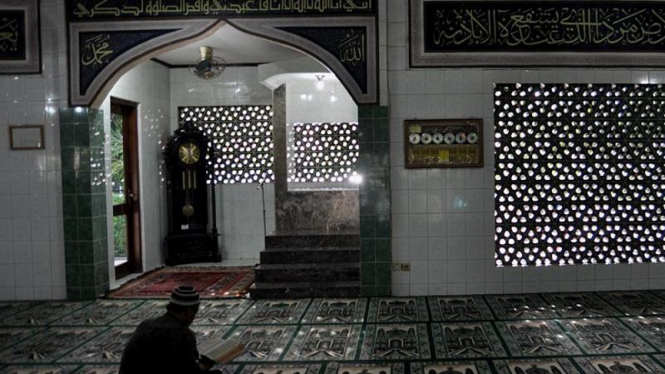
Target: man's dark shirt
161 345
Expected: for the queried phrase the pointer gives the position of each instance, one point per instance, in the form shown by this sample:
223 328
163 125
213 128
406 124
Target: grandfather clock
188 238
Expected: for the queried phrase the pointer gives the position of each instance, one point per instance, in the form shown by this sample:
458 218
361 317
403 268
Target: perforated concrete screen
324 152
241 136
579 174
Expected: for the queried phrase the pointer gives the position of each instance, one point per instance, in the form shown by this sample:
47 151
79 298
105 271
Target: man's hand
206 366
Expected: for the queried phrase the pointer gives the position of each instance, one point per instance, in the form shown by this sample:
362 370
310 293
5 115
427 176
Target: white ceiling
235 47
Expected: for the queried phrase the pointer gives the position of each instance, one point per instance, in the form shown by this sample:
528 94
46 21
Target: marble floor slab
559 333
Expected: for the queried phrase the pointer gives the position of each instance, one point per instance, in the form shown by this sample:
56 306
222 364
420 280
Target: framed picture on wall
19 37
444 143
28 137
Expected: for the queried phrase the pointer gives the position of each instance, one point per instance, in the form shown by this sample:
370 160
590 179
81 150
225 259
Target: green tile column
84 202
375 228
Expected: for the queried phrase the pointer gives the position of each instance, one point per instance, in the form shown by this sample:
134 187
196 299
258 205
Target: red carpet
209 282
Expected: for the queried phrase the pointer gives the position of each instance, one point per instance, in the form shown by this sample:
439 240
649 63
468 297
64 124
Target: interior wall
312 98
443 219
307 103
148 85
239 206
32 254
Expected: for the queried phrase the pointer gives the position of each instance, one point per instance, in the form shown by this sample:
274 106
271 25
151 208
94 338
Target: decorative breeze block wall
579 174
241 136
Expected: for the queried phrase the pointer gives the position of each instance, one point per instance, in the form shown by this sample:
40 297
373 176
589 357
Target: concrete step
304 289
331 272
310 255
312 240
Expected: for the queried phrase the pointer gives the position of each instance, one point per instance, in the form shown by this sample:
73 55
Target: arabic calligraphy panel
82 10
12 34
19 37
348 44
99 49
488 32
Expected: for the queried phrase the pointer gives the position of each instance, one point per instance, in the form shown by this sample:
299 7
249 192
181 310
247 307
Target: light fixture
319 84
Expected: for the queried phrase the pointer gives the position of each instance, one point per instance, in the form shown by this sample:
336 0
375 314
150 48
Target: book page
221 351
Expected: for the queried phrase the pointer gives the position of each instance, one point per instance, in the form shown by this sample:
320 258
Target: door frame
129 110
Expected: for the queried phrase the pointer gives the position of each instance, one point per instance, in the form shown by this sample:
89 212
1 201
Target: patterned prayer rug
211 283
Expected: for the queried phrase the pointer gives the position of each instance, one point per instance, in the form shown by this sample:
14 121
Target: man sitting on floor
166 344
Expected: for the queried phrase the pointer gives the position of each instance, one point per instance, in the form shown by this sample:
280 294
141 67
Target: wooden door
125 188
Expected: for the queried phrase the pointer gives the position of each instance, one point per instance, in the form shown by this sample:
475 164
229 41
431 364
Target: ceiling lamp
207 66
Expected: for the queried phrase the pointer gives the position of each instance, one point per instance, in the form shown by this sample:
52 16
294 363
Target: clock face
189 153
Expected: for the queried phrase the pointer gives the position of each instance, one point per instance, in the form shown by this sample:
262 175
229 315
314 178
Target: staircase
312 264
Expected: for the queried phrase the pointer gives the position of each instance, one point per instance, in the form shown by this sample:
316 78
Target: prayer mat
211 283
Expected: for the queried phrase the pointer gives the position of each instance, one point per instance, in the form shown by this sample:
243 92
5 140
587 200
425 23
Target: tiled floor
613 332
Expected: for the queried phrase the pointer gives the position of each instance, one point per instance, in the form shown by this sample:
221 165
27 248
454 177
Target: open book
220 352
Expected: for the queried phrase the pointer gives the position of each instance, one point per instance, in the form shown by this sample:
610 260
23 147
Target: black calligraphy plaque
12 35
533 33
19 37
86 10
536 26
99 49
348 44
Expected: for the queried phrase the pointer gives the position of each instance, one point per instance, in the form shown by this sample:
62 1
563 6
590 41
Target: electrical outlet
401 266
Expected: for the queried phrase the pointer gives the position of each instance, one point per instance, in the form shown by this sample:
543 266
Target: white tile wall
148 85
31 240
454 236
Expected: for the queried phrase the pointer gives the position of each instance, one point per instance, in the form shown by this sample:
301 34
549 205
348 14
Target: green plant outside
118 184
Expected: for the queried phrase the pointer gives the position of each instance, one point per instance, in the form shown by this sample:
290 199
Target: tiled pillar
84 202
375 228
